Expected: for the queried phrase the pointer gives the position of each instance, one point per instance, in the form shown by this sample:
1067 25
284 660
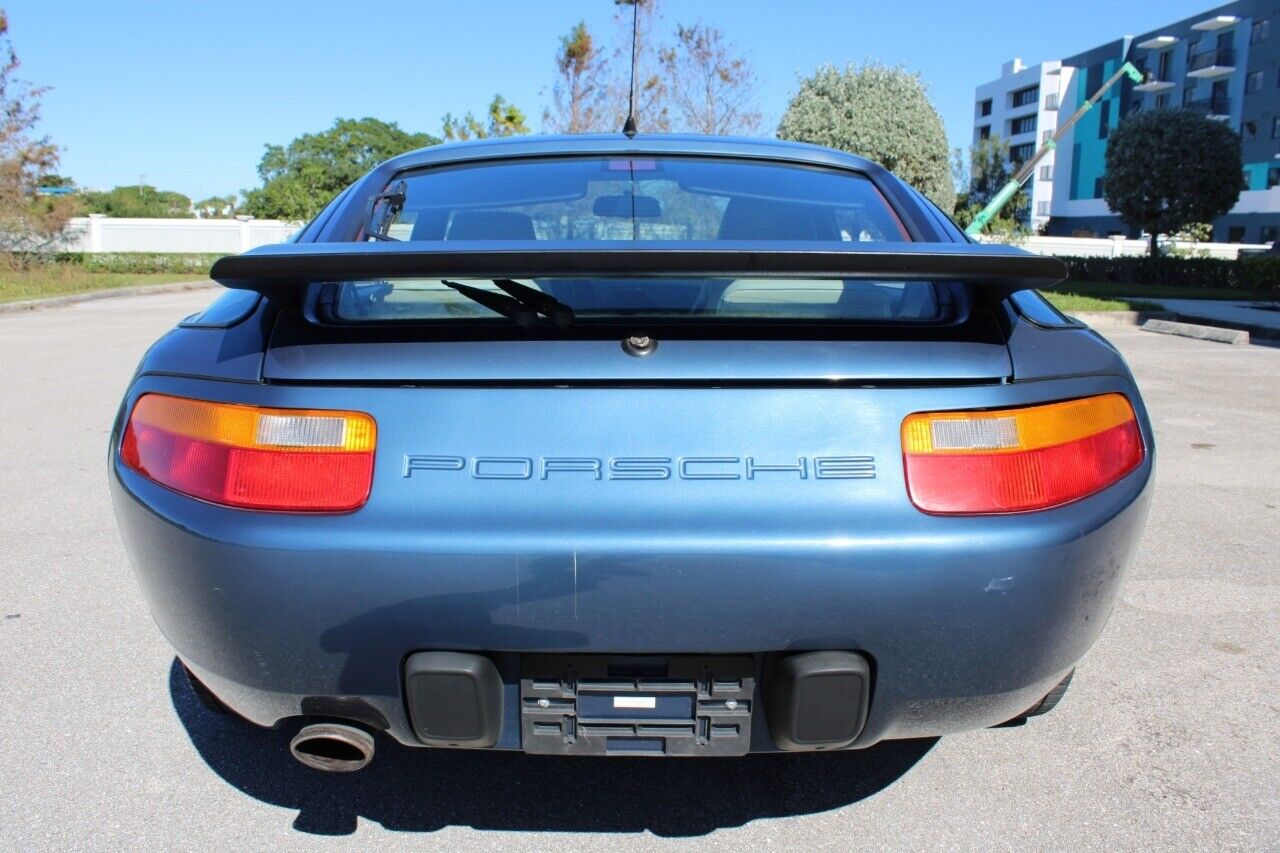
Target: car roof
618 144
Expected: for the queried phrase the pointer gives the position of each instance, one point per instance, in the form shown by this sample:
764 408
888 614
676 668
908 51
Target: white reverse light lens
975 433
300 431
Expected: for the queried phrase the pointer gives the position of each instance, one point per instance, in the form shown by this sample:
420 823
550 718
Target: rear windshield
630 199
615 299
662 198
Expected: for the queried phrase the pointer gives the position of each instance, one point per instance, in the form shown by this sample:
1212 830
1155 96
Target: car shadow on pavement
424 790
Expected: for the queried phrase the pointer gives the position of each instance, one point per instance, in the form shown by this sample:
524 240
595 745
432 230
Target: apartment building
1224 63
1022 106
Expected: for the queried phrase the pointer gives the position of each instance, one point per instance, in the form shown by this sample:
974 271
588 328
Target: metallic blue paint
968 620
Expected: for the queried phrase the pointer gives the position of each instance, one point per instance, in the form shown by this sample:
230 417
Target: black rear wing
282 271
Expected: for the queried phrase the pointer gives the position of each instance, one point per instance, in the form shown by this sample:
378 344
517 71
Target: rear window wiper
522 303
544 303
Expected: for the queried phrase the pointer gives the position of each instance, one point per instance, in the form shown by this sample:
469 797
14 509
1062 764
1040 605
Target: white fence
96 233
1116 247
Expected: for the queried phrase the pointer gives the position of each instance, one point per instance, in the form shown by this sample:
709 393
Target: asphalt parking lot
1169 737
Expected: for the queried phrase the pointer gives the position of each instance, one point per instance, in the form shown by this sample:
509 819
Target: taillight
290 460
1016 460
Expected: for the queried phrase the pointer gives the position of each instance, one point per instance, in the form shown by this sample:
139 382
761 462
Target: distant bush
139 262
1259 273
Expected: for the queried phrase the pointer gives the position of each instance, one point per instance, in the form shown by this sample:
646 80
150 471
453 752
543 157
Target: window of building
1025 124
1104 120
1042 208
1046 173
1188 94
1162 101
1021 153
1248 130
1093 77
1162 67
1270 233
1051 101
984 107
1098 186
1029 95
1235 234
1260 31
1275 128
1273 177
984 132
1046 136
1253 82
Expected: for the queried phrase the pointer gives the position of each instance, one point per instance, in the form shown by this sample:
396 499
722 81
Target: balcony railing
1218 105
1221 58
1154 83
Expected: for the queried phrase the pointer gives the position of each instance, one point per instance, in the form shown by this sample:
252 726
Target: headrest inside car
490 225
763 219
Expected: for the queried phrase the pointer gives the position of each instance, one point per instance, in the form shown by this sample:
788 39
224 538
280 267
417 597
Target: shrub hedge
138 262
1259 273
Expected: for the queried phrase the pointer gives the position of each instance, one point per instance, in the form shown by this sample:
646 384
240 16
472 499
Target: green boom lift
1007 192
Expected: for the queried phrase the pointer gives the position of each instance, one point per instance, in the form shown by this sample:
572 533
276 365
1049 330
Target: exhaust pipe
332 747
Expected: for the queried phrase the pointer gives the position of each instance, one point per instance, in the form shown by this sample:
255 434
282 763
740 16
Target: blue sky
186 93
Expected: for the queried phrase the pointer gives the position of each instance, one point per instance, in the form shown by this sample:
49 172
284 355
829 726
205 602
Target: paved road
1169 736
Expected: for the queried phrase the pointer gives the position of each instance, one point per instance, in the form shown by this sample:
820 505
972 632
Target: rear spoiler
282 271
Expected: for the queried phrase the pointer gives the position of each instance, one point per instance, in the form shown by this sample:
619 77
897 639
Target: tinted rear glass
698 299
662 198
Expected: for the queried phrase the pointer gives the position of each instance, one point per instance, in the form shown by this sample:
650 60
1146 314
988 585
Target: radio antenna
629 126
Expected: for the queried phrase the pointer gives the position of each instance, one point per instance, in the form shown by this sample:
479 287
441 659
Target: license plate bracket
656 705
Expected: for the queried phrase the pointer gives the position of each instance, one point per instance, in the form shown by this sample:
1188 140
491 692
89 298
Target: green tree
710 90
217 207
138 202
504 119
28 222
300 178
879 112
578 96
1168 169
979 177
56 181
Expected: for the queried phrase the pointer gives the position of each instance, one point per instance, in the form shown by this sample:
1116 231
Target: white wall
1115 247
225 236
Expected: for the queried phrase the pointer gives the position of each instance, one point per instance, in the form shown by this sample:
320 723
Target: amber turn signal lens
288 460
1017 460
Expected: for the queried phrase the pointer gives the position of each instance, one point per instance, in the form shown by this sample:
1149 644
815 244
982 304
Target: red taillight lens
289 460
1016 460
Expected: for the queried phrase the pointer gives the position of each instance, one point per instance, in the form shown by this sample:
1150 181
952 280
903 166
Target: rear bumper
967 624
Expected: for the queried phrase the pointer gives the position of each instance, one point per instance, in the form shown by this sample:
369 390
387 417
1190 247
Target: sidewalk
1258 321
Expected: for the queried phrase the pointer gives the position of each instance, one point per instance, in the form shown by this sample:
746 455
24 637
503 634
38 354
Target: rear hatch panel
301 351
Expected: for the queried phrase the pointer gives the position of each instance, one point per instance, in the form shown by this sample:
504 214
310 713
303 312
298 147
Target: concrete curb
1121 318
74 298
1192 330
1269 333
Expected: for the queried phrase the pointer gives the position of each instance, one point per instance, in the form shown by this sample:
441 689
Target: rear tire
205 695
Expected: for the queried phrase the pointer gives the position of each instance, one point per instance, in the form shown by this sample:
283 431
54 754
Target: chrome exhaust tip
332 747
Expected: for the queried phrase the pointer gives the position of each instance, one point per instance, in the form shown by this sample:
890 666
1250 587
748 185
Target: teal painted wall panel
1256 175
1090 160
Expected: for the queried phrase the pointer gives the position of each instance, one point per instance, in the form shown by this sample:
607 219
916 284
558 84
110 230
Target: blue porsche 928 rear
603 445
